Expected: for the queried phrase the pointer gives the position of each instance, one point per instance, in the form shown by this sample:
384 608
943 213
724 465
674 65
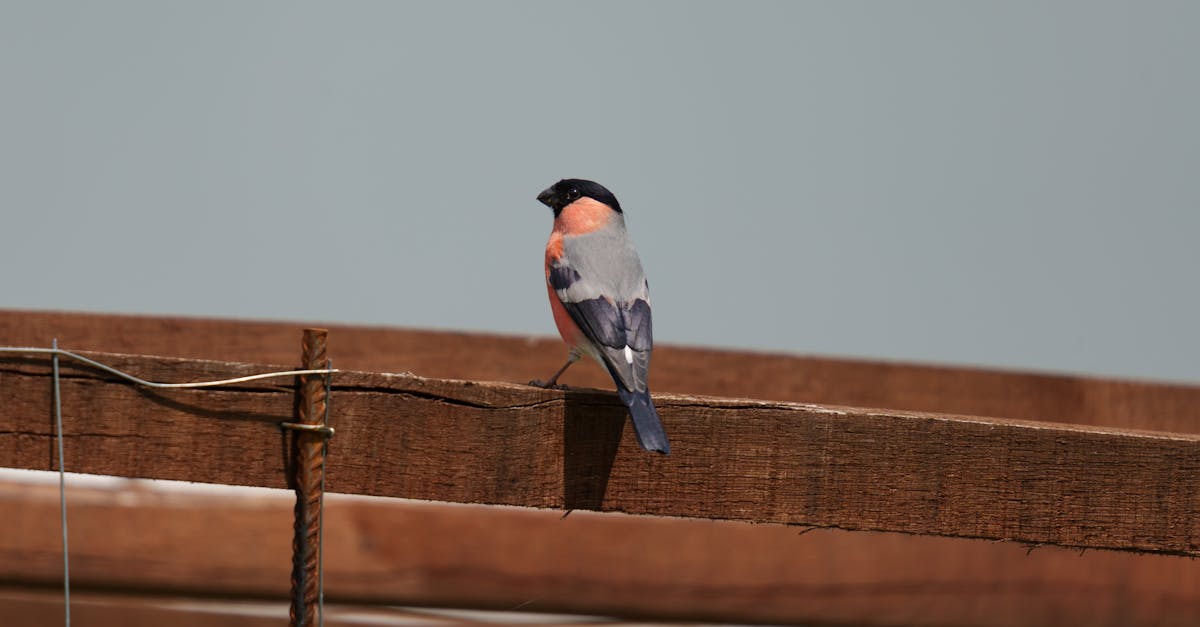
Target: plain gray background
1011 184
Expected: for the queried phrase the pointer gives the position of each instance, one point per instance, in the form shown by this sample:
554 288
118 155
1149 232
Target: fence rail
1116 472
157 541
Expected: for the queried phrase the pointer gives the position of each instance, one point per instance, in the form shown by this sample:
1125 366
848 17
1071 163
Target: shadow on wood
592 432
737 459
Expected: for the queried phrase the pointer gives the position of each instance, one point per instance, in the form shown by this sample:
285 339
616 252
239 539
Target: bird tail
646 425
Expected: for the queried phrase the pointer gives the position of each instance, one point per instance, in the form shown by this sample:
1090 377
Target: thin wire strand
62 484
152 384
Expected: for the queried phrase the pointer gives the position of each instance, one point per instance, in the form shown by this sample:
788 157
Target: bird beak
546 196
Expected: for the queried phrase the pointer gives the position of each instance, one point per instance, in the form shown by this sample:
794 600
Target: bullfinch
600 297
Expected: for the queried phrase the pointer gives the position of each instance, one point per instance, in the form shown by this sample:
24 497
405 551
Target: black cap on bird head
567 191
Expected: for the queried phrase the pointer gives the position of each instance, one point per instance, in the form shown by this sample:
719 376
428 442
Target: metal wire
151 384
62 484
55 352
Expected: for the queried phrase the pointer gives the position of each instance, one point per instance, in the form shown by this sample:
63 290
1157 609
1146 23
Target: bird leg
572 357
554 379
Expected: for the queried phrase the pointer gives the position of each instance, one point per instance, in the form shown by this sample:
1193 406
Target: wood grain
152 540
687 370
36 608
497 443
33 607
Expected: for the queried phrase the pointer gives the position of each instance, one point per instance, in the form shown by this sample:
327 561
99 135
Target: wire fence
55 353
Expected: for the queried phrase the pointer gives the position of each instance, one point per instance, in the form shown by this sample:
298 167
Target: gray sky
1011 184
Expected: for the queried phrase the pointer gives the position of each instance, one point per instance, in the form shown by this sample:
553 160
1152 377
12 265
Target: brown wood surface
498 443
153 540
766 376
37 607
886 578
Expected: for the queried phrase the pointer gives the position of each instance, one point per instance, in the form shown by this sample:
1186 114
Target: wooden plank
39 607
457 355
496 443
30 607
167 542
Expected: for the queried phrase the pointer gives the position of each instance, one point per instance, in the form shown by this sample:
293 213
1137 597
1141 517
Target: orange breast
567 329
582 216
570 332
554 250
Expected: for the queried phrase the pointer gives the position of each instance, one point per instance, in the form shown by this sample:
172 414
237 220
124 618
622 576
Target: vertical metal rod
309 471
321 532
62 483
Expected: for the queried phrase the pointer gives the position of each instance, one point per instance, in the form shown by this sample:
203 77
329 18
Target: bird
600 297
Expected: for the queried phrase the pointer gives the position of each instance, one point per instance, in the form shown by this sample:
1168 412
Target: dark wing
621 330
623 334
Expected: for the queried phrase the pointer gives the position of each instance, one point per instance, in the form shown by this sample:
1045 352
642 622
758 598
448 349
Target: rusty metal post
308 468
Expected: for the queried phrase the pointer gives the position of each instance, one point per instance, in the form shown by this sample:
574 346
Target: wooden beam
497 443
38 606
154 540
702 371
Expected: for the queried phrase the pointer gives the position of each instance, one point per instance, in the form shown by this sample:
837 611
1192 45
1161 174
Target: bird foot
538 383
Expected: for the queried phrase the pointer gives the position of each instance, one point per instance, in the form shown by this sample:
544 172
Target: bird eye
573 194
